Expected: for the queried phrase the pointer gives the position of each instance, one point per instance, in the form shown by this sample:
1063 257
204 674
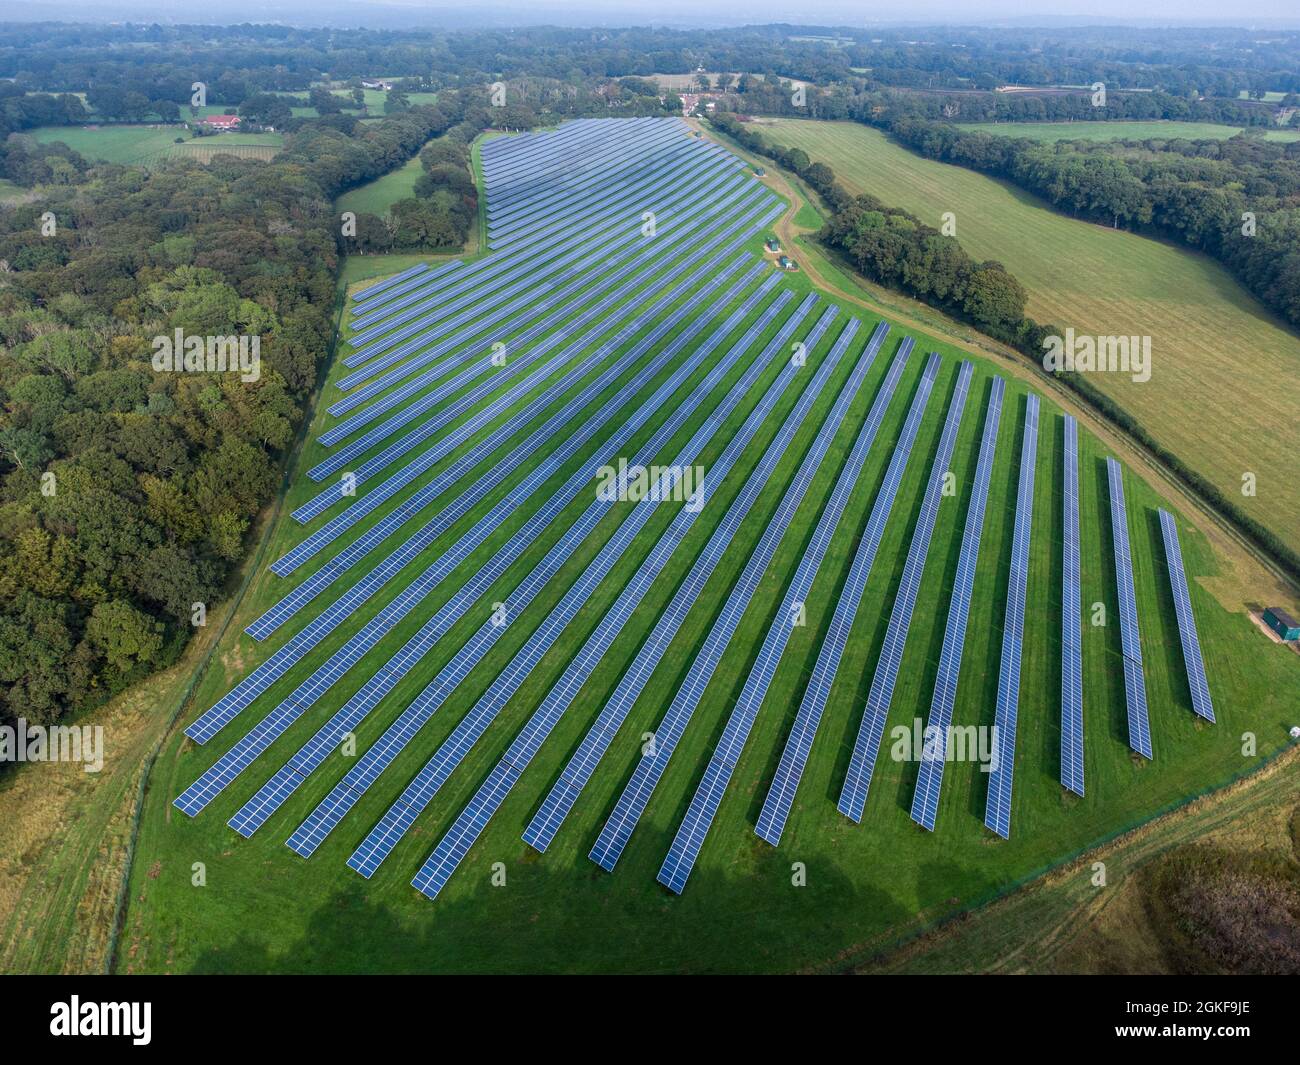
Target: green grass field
378 196
263 908
1225 372
143 145
1114 131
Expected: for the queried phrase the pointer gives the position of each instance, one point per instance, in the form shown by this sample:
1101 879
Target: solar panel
1071 622
548 433
997 814
1188 637
226 768
244 693
929 783
440 865
326 816
636 795
857 783
427 783
562 796
1135 689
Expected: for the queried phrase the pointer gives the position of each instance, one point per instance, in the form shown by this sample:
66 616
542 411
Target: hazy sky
672 12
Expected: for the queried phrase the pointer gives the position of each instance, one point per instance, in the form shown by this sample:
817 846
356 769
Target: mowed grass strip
1120 130
1225 372
263 908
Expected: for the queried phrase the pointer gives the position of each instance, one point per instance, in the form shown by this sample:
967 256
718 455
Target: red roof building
220 121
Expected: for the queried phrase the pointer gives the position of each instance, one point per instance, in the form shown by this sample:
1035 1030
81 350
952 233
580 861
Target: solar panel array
853 797
418 645
636 794
929 782
482 399
1188 637
1071 621
1135 688
997 813
562 796
279 787
686 845
429 780
449 852
279 663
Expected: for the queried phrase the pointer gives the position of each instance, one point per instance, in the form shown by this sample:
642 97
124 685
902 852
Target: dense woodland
156 476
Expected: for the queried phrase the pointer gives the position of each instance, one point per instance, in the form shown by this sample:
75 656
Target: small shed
772 244
787 263
1282 623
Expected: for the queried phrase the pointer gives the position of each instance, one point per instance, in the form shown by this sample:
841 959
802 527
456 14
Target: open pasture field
114 144
378 196
1225 371
262 907
143 145
1118 131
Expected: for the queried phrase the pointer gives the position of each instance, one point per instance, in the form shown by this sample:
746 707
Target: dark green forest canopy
151 479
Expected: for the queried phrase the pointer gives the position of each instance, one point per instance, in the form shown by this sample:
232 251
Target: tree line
1238 199
127 491
894 248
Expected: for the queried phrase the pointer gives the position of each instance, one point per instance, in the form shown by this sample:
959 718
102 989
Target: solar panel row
230 765
562 796
549 432
282 660
426 279
456 842
862 763
1071 621
636 794
422 462
1188 637
515 367
427 783
1135 689
310 756
997 813
929 783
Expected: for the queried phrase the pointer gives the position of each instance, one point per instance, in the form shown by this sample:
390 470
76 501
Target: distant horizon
665 14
